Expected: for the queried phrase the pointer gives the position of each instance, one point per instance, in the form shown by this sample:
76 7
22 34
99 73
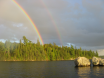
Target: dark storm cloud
89 25
80 22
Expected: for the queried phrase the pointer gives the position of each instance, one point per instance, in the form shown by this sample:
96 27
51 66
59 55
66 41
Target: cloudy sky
65 22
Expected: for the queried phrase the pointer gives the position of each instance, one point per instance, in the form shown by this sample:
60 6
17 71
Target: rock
82 61
101 62
95 61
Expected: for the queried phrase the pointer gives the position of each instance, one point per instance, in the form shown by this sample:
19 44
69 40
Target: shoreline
35 60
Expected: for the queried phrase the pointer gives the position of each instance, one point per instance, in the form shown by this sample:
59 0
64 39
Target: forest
25 50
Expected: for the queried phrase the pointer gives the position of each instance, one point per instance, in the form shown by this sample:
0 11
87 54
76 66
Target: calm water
52 69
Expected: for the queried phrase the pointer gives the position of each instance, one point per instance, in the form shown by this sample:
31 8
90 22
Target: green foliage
28 51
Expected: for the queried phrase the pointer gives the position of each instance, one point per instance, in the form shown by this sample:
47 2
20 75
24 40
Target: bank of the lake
40 60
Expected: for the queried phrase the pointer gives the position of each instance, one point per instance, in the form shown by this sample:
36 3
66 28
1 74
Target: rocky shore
83 61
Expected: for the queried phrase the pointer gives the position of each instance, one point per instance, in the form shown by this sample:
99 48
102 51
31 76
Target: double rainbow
37 31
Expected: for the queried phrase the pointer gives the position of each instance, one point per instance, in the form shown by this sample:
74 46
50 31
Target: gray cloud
80 23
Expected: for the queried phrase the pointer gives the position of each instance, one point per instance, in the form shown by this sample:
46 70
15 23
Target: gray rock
101 62
82 61
95 61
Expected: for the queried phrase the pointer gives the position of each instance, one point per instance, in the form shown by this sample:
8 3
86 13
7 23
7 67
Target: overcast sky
77 22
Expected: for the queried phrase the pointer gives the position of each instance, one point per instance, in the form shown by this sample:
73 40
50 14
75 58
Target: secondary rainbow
54 23
37 31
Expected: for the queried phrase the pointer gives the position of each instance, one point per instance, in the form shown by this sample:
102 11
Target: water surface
49 69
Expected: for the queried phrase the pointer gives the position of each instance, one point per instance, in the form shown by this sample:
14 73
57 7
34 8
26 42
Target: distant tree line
28 51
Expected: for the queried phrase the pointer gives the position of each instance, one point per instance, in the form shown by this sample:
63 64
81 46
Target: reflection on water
98 71
83 72
51 69
89 72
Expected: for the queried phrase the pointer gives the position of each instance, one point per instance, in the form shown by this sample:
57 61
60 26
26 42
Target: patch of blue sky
73 2
2 40
18 25
14 41
69 44
79 2
74 11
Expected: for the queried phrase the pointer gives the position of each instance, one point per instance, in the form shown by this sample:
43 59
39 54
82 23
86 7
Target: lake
48 69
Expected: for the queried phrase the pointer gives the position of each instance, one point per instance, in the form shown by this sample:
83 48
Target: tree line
25 50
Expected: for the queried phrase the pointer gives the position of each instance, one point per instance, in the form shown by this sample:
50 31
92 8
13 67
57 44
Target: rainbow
54 23
37 31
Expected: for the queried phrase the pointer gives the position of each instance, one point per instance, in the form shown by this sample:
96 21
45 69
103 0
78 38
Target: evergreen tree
28 51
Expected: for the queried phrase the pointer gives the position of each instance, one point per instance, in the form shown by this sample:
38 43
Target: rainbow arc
52 20
37 31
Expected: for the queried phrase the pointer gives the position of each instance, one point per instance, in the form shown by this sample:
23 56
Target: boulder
95 61
82 61
101 62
